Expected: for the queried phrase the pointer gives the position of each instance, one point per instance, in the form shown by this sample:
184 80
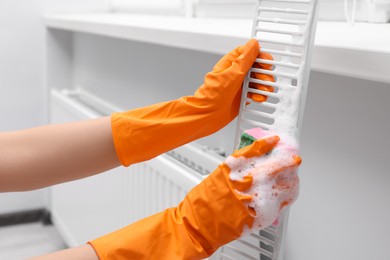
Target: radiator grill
95 206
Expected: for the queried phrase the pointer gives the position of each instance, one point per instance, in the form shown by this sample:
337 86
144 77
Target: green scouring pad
245 140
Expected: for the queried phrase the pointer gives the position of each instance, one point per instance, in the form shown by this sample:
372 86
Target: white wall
23 96
133 74
343 210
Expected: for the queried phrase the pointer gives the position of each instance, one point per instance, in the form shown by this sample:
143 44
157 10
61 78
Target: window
201 8
355 10
339 10
225 8
163 7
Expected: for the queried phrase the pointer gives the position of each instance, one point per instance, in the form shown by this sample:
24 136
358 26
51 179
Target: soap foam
286 114
275 183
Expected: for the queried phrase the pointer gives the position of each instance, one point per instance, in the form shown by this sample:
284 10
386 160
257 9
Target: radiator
86 209
91 207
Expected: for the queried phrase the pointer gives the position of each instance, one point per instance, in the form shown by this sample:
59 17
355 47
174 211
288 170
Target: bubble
275 184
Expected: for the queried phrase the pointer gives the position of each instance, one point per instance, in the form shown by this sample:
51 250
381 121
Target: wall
23 96
133 74
343 208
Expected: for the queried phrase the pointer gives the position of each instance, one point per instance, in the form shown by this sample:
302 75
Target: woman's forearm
84 252
52 154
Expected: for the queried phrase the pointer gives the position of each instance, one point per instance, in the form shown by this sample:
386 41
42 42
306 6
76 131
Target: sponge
251 135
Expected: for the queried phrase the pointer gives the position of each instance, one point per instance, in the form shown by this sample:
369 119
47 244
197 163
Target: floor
23 241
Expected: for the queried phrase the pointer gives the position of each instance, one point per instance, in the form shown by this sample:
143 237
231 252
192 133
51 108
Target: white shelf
359 51
209 35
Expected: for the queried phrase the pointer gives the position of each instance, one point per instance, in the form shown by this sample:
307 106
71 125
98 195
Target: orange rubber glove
167 125
264 77
216 211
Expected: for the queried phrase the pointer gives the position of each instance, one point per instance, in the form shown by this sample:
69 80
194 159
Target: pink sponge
251 135
257 133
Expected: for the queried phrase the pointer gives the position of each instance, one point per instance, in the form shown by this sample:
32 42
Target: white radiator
88 208
91 207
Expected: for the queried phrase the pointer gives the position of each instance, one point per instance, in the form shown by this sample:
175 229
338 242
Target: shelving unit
359 51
